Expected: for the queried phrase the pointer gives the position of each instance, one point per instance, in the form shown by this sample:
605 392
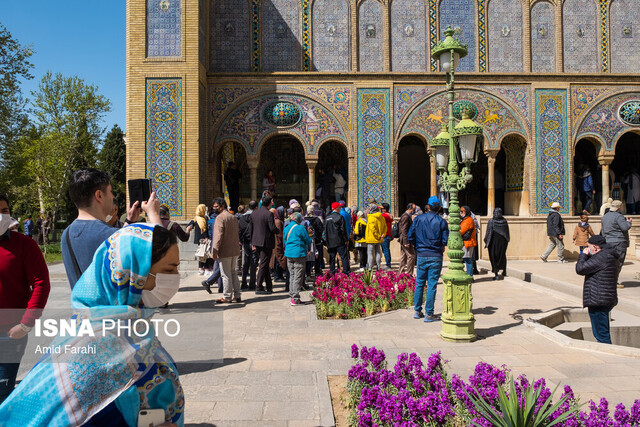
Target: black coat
555 224
601 278
263 228
335 231
318 228
244 233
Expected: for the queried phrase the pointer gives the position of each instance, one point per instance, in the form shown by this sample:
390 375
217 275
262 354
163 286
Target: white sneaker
562 261
208 273
200 271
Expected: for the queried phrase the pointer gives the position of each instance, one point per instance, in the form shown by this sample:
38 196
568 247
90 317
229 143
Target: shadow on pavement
485 310
193 367
631 284
200 425
497 330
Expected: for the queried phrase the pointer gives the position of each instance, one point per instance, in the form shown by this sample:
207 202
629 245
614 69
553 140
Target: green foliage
519 412
113 159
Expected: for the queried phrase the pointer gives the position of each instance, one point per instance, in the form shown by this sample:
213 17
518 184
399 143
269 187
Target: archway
284 155
587 172
332 158
625 163
232 151
475 193
511 170
414 173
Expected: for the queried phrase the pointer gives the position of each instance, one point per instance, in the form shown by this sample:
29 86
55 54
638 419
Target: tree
113 159
65 136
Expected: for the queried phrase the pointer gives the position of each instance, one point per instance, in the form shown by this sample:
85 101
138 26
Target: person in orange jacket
468 232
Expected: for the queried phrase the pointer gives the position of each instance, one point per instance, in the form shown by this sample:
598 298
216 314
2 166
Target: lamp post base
458 322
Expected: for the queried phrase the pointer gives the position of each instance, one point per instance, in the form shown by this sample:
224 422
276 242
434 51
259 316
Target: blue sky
85 38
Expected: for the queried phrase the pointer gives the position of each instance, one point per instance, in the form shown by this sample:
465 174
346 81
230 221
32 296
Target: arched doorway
414 173
475 193
511 169
587 173
332 158
284 155
625 163
232 152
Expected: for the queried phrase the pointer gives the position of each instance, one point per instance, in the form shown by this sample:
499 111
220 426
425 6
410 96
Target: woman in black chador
497 239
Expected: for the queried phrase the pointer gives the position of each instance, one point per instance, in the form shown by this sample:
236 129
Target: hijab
498 224
296 217
134 372
200 219
279 213
467 212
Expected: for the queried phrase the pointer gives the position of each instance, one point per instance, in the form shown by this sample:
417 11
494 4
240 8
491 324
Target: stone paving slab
277 357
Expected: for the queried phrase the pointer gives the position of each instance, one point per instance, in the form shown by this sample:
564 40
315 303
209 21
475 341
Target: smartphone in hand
150 417
139 190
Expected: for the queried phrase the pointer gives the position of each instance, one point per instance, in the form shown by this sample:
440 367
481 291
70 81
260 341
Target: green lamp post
455 144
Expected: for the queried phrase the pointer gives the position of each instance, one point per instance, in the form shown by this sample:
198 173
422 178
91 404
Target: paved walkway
277 357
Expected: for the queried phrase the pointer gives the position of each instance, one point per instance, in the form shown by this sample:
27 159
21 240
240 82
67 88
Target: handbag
203 252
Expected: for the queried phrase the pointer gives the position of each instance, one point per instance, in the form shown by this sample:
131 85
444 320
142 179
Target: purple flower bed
412 394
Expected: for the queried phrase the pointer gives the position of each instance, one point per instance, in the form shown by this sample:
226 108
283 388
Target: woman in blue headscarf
134 270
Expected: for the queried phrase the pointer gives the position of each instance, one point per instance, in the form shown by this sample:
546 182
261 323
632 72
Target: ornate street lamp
461 143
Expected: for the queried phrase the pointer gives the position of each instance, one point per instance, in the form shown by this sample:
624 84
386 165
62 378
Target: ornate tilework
408 35
338 98
224 96
505 36
630 113
461 14
625 48
494 115
246 126
580 35
604 35
374 149
482 35
255 35
370 30
230 36
281 113
519 95
433 31
164 28
582 97
552 150
331 35
604 120
514 148
164 140
306 49
407 96
543 38
280 33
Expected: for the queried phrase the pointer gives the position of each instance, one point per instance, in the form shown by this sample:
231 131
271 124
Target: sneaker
200 271
296 302
543 258
237 299
206 286
428 318
208 273
562 261
418 315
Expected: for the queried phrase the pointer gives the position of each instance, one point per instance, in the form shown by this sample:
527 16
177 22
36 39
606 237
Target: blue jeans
468 262
215 276
428 268
600 323
11 352
386 250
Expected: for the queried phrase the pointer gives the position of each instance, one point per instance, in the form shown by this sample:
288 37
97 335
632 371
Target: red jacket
24 280
388 220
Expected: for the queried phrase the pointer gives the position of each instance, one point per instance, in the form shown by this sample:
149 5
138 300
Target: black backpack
395 230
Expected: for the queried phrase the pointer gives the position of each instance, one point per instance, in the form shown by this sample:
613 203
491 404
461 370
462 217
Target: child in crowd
582 232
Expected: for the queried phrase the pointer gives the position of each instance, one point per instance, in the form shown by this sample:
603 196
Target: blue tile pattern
552 150
164 140
374 148
505 36
625 49
543 38
230 41
580 35
164 28
461 14
371 34
280 34
408 35
331 41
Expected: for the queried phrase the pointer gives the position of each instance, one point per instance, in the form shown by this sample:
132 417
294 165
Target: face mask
167 286
108 218
6 222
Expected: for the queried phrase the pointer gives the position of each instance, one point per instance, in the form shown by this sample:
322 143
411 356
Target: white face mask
167 286
6 222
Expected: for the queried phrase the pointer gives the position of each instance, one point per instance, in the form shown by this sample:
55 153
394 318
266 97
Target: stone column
491 187
606 191
252 162
433 182
311 164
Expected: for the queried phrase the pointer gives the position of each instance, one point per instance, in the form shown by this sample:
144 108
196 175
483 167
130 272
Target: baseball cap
433 201
335 205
